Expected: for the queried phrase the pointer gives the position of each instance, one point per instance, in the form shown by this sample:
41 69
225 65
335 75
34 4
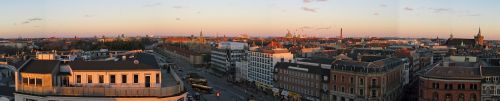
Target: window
361 92
461 97
157 78
461 86
435 85
101 78
374 82
38 82
78 79
361 81
352 90
112 79
89 78
25 81
352 80
342 79
136 78
124 78
448 97
374 93
473 97
448 86
435 96
31 81
473 86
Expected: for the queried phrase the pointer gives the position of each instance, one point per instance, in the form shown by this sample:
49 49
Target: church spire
479 33
201 32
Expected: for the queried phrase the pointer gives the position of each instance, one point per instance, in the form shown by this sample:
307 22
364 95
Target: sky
256 18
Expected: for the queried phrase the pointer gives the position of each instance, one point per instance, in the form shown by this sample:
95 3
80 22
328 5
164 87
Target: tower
479 38
341 36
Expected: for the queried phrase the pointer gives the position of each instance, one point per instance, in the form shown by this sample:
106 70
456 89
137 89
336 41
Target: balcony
102 91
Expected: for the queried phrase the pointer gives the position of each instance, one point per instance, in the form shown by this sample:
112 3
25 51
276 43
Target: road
229 91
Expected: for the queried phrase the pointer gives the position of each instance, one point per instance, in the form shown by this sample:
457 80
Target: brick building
373 80
451 80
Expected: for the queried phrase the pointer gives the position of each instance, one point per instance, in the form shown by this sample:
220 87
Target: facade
262 61
491 84
241 71
303 80
379 80
55 80
223 59
451 81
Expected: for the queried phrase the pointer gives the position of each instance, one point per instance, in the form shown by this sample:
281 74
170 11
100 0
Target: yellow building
140 78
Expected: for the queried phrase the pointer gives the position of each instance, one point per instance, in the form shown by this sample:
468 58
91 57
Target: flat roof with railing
102 91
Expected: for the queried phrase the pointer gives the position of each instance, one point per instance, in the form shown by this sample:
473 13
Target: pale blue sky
320 18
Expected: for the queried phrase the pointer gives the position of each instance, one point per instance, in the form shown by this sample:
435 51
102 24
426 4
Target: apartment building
457 78
262 61
378 79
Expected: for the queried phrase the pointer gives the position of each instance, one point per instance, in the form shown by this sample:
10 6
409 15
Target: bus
202 88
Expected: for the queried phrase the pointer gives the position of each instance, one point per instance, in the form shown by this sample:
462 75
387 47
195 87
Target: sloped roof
40 66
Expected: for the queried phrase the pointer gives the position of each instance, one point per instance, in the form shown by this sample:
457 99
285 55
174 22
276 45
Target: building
139 79
302 80
452 80
490 84
478 41
241 73
224 57
261 64
371 80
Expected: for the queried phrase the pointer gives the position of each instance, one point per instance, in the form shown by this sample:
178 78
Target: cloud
31 20
475 14
152 5
177 7
383 5
88 15
376 13
324 28
178 19
308 9
35 19
408 9
310 1
440 10
305 27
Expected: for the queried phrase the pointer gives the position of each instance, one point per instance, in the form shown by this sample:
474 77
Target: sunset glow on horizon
257 18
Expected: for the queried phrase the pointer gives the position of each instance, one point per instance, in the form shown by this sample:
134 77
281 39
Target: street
229 91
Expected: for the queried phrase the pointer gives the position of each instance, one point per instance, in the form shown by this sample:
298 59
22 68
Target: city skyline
317 18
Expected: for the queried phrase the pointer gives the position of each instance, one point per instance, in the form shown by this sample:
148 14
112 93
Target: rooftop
40 66
490 71
454 72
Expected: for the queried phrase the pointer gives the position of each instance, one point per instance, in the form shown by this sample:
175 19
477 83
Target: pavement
229 91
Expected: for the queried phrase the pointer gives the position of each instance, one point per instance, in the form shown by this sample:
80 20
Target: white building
262 61
241 71
225 56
